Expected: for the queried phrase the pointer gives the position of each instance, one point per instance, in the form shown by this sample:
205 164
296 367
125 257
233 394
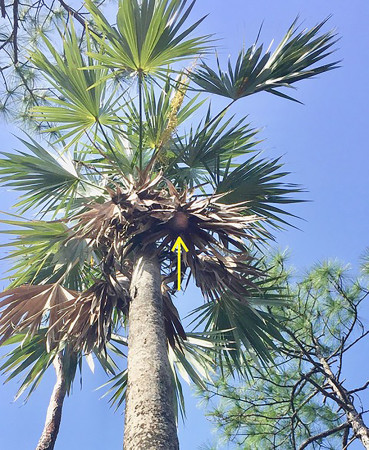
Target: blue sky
324 145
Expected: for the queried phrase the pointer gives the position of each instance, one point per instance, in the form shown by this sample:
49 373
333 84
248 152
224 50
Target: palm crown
120 173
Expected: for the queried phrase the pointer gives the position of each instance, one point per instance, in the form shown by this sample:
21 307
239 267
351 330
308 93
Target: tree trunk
54 411
354 418
149 418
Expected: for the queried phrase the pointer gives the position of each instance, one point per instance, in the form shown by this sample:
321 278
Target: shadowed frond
30 355
243 325
88 320
210 148
258 182
294 59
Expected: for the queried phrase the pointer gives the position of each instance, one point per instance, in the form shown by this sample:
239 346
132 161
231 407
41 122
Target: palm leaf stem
109 144
140 117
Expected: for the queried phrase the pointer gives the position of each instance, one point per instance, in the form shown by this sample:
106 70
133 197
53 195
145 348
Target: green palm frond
44 252
244 324
164 113
30 358
123 158
148 36
30 354
48 178
83 101
294 59
258 182
209 149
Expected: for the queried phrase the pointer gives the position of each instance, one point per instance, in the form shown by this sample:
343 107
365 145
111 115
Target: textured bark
54 411
149 419
354 418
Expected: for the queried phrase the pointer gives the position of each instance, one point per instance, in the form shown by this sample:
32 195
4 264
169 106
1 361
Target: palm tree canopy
119 169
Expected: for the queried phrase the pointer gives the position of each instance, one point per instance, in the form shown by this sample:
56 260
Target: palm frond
144 214
29 354
166 111
259 183
210 148
44 252
295 58
83 101
148 36
243 325
30 357
28 307
46 177
87 320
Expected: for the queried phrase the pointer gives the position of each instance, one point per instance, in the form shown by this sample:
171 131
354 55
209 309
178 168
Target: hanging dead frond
88 320
27 307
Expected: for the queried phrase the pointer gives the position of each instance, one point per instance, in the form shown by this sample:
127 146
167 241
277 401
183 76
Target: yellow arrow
179 242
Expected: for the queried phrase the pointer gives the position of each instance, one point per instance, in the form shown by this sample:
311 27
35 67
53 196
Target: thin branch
73 13
15 30
324 434
362 388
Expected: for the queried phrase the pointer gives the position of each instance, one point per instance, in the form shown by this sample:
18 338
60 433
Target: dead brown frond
87 320
28 307
152 211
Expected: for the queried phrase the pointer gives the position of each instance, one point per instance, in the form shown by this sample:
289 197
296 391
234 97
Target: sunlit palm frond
166 111
148 36
44 252
295 58
45 176
82 100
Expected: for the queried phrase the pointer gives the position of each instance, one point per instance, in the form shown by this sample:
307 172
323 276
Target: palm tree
121 178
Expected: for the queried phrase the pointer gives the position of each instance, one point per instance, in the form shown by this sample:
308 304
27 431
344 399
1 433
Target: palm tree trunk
149 419
54 411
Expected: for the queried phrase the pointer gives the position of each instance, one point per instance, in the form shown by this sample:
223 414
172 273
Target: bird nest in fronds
153 212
